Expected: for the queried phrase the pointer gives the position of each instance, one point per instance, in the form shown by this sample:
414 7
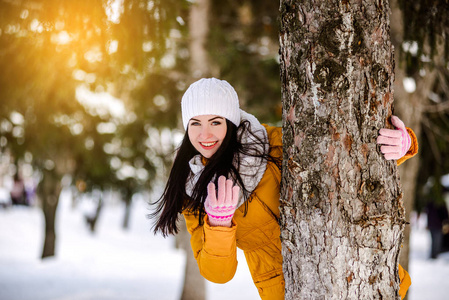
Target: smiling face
206 133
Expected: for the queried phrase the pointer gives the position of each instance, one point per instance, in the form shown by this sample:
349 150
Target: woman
225 181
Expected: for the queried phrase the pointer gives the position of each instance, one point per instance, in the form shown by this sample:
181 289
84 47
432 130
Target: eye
195 123
216 123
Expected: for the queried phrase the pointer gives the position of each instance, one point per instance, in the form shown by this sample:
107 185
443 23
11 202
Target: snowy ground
114 264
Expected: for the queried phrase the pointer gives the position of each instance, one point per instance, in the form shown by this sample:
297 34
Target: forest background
90 90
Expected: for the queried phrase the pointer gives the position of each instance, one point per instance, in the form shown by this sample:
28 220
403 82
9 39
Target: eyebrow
209 119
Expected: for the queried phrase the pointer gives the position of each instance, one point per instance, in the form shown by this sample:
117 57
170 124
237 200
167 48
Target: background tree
419 35
194 287
243 46
238 42
342 214
52 50
42 93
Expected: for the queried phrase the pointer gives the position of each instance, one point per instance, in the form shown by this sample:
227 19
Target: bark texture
342 215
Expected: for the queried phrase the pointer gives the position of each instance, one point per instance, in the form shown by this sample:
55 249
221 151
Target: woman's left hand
395 142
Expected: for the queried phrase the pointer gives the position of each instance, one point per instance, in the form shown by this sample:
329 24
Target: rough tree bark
342 215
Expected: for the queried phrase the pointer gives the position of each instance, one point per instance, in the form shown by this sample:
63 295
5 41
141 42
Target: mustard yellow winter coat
257 234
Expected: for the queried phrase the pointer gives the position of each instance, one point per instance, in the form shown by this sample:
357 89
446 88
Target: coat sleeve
404 277
214 248
405 282
413 148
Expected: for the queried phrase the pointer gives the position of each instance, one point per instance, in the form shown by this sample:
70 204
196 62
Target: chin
207 155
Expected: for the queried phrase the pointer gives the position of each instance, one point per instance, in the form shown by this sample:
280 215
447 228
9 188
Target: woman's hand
396 142
221 209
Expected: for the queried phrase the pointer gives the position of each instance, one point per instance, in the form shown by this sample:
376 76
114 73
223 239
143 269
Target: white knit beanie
210 96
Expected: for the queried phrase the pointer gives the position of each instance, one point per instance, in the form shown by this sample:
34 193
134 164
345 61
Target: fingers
226 192
391 152
220 208
390 156
397 122
211 195
395 143
235 195
390 149
383 140
228 200
390 133
221 190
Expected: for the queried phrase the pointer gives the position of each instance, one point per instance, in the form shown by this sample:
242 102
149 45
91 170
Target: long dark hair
225 161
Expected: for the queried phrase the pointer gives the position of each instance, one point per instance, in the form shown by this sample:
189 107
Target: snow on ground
132 265
430 278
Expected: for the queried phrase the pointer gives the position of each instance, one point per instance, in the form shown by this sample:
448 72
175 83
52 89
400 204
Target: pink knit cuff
220 220
406 142
221 216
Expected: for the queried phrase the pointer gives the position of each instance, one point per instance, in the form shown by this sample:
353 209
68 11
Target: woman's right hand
221 208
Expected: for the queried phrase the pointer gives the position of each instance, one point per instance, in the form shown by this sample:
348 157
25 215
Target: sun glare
113 10
112 46
101 102
36 26
93 55
61 38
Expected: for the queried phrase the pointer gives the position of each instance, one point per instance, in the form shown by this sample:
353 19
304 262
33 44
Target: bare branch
428 129
444 86
435 129
441 107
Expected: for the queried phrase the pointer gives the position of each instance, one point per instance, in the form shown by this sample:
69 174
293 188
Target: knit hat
210 96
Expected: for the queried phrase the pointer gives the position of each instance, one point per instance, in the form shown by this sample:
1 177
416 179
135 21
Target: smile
208 145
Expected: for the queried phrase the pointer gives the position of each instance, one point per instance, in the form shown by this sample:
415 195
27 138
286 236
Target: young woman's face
206 133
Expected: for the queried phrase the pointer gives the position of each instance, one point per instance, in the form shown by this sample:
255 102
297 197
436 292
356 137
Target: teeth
208 144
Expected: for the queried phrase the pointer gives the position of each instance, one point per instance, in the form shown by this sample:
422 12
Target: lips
208 145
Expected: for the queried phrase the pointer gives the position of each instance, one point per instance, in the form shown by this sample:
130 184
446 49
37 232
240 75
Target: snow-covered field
129 265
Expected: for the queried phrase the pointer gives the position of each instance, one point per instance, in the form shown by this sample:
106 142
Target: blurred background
90 119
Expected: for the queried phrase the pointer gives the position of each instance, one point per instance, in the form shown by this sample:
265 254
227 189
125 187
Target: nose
205 132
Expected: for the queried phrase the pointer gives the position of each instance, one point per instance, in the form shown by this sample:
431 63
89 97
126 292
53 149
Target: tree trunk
49 191
128 203
93 218
194 287
342 215
194 284
199 30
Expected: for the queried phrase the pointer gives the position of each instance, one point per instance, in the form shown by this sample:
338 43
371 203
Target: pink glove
221 210
396 142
